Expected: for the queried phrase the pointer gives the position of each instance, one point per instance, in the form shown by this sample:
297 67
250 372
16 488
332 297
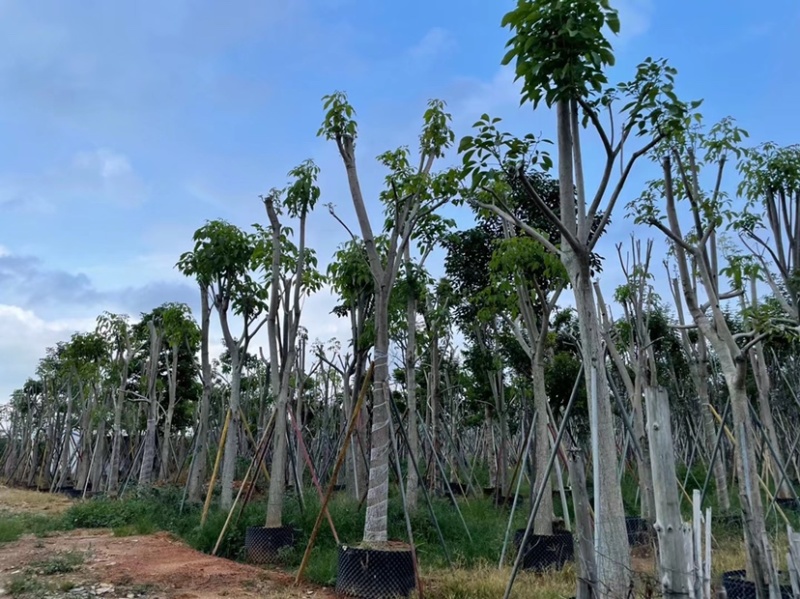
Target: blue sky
125 126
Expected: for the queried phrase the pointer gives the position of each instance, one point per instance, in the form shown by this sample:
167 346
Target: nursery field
145 547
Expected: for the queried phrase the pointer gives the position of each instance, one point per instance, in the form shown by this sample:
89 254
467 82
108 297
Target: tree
560 54
292 275
685 159
350 276
412 194
223 263
116 330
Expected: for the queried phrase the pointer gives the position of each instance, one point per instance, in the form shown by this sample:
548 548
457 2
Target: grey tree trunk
149 451
375 524
587 567
232 439
198 466
669 524
759 364
412 492
166 433
543 522
116 442
613 559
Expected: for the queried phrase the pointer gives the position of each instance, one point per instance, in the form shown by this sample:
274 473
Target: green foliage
222 260
159 509
60 563
339 121
695 149
25 585
490 156
769 169
14 525
559 48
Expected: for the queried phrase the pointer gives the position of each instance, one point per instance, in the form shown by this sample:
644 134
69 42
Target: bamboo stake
339 460
224 434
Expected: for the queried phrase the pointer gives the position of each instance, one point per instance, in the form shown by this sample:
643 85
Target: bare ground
138 566
94 563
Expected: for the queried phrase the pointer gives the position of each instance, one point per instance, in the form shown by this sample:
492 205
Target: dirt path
94 563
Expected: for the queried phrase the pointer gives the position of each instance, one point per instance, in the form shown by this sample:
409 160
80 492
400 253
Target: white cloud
107 163
101 175
24 337
434 43
108 174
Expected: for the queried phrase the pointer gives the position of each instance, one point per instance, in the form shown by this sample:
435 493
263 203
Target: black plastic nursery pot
738 587
370 573
546 552
638 531
264 545
70 492
788 504
458 488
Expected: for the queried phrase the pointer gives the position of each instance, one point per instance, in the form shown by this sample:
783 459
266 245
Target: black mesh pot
375 573
638 531
546 552
738 587
458 489
71 492
788 504
264 545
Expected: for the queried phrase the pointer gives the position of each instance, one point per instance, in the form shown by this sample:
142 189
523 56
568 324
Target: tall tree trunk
435 403
198 467
172 377
232 438
85 442
412 492
543 522
613 559
119 403
99 460
375 524
763 384
149 451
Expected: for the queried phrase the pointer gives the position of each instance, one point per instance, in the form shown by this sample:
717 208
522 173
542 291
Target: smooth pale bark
412 490
375 525
733 364
763 384
149 451
198 467
634 390
99 459
85 442
119 403
282 364
543 522
697 354
585 556
384 272
613 560
66 449
669 523
435 403
277 478
232 438
172 379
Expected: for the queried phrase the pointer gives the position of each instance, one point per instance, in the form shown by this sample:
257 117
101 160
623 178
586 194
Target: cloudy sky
125 125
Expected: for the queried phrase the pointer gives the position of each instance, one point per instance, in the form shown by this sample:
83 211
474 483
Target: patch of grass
59 563
24 585
13 525
487 582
